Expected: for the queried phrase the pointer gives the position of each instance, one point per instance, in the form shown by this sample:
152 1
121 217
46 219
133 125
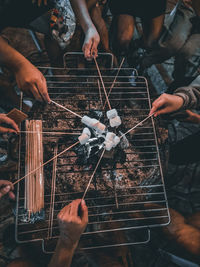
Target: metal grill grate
127 195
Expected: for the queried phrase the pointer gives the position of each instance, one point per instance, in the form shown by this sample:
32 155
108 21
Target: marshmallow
116 140
99 127
108 145
89 121
94 124
83 138
111 113
86 131
115 122
110 136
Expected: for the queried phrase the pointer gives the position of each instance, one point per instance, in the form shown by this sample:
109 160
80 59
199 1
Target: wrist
67 243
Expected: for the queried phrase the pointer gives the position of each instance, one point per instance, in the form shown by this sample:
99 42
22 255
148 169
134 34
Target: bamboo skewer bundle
34 184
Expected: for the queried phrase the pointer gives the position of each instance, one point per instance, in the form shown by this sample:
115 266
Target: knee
124 42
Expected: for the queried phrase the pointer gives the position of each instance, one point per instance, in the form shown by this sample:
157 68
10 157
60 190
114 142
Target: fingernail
7 188
83 202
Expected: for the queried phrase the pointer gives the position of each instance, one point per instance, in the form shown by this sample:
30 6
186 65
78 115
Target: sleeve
190 94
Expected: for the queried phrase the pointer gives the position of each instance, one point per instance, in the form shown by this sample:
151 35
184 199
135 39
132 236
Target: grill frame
50 70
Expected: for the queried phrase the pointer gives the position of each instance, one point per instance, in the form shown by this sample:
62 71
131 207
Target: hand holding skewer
6 187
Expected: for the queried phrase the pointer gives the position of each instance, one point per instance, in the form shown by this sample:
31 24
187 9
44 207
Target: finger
45 2
36 93
86 50
6 130
84 208
42 88
74 207
11 195
162 111
5 190
9 121
39 2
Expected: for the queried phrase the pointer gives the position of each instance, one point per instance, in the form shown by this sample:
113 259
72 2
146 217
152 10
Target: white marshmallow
110 136
116 141
99 127
111 113
108 145
83 138
86 131
89 121
115 122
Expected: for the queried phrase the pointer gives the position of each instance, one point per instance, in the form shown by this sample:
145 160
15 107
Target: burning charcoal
115 122
87 131
124 142
83 138
111 114
116 140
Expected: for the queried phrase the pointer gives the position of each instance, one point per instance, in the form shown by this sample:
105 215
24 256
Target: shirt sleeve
190 94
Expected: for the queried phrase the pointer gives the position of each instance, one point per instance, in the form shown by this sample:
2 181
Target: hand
166 103
6 187
91 43
30 80
192 117
4 119
72 224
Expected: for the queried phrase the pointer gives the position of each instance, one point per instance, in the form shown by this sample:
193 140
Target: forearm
82 14
9 57
190 94
63 255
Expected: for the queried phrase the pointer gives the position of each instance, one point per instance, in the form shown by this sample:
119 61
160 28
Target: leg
123 29
152 29
187 60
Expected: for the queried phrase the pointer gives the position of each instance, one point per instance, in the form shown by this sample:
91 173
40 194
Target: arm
5 188
71 225
91 35
183 98
29 79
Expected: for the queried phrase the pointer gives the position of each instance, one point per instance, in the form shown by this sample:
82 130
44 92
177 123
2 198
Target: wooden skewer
100 76
61 106
53 187
100 93
65 150
93 174
120 66
138 124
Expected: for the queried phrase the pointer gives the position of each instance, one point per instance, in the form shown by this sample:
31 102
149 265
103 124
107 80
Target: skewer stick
61 106
100 76
120 66
93 175
100 93
138 124
53 187
54 133
65 150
